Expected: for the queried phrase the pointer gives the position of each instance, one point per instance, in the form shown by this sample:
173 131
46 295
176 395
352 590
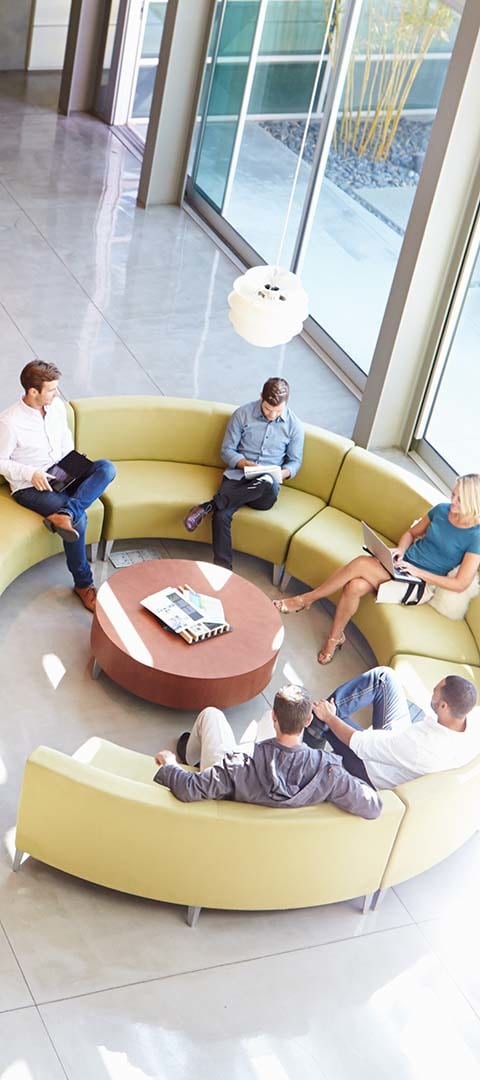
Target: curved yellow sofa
167 455
98 815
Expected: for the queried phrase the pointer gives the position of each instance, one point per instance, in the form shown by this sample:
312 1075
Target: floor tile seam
219 966
448 972
84 291
404 905
52 1043
17 328
19 1008
17 962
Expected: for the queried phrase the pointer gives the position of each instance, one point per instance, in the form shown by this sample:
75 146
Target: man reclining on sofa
394 749
281 770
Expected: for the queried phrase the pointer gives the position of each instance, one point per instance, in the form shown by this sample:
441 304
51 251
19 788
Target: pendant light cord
328 25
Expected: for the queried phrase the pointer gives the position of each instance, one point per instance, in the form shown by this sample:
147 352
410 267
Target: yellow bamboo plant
396 38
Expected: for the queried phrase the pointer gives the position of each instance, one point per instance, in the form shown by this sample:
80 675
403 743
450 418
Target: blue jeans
60 502
381 689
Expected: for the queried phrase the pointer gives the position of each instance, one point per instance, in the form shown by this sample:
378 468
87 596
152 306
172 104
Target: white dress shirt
30 441
393 757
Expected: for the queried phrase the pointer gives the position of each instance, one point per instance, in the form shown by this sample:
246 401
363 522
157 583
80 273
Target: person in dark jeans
34 434
264 432
403 742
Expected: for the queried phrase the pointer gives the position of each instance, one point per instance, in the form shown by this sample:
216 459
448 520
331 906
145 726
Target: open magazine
251 471
191 615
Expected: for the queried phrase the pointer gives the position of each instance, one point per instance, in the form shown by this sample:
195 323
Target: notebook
68 470
375 546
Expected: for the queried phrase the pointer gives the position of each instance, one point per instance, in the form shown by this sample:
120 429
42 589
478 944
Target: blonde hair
468 488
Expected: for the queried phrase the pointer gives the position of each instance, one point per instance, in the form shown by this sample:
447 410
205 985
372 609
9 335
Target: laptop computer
375 546
69 470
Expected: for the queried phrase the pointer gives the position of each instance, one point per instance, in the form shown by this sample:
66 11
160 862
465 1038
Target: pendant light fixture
268 304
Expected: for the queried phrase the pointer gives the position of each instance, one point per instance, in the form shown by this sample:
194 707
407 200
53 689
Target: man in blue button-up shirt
262 433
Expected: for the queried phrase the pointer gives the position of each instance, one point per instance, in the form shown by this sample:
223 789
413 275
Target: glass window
452 428
392 90
252 185
262 82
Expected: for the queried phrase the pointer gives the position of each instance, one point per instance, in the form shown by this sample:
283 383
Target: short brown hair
459 694
293 708
275 391
36 373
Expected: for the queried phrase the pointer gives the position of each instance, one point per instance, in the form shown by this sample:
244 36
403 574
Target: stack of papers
194 616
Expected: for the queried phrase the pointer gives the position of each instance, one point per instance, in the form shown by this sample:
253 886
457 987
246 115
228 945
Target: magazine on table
194 616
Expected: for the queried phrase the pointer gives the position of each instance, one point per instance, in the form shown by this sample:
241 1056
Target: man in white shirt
394 749
34 434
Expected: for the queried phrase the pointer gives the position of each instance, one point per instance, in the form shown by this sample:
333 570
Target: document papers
194 616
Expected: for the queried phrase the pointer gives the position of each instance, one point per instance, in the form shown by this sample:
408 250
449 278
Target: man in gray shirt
280 771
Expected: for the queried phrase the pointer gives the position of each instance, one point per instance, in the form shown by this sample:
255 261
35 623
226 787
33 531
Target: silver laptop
383 553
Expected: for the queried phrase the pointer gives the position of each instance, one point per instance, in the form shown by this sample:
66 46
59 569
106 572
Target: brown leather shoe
88 596
61 524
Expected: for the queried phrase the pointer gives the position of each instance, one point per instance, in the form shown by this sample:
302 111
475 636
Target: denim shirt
269 442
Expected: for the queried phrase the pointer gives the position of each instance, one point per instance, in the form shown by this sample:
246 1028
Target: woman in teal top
448 536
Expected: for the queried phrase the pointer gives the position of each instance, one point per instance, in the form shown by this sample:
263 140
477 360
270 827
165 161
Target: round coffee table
130 645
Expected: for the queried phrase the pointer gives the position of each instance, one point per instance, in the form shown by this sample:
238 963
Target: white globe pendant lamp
268 305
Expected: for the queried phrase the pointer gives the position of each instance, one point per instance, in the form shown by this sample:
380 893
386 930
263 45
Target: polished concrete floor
109 987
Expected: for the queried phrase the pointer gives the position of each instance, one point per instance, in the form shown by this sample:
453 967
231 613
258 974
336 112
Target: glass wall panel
146 67
255 113
389 103
225 93
252 187
452 428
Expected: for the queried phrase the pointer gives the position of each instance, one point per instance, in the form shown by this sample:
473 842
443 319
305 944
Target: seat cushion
391 629
332 539
266 533
151 498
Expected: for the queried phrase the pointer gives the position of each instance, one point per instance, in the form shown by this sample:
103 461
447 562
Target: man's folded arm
212 783
353 795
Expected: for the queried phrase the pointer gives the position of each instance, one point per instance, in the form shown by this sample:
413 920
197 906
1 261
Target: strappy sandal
281 606
326 655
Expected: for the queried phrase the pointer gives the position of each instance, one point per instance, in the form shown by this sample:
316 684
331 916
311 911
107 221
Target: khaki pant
212 737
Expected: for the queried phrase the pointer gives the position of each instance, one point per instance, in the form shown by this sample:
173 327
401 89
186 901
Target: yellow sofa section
388 498
104 819
441 814
167 455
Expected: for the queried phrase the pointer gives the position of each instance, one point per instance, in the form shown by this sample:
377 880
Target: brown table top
255 639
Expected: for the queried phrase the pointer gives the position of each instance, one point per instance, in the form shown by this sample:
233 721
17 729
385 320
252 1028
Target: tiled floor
99 985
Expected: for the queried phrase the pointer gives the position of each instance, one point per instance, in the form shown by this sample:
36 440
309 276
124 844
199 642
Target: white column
175 98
